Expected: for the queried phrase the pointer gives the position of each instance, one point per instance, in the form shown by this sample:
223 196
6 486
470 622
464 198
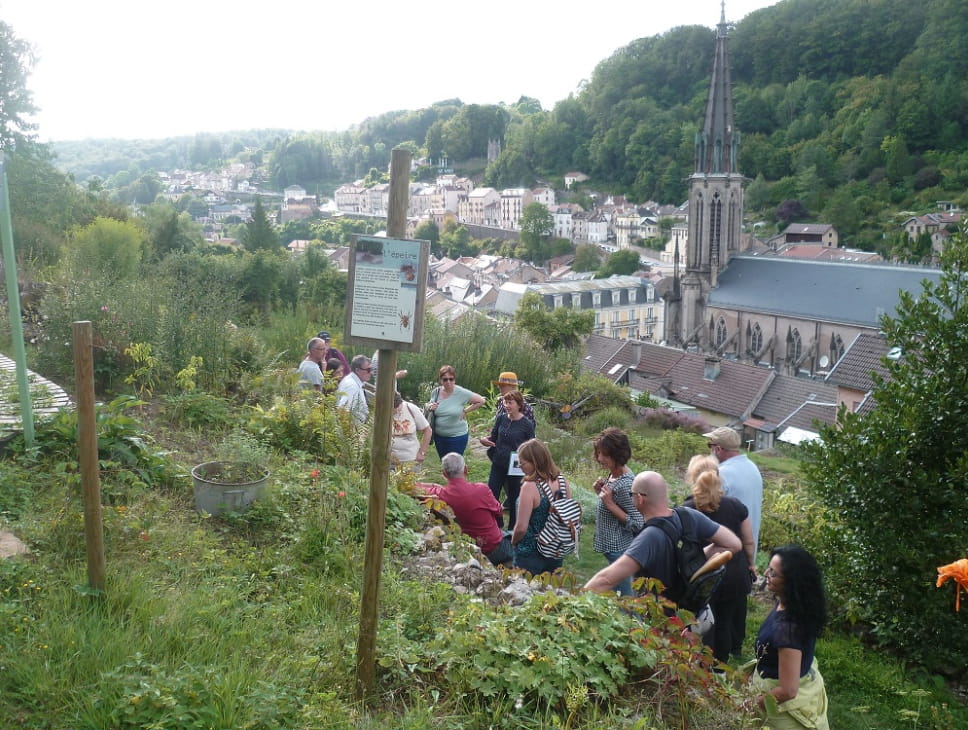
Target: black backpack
692 595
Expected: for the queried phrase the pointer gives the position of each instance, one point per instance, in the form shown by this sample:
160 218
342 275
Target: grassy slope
221 622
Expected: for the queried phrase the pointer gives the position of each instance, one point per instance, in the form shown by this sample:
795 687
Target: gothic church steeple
715 202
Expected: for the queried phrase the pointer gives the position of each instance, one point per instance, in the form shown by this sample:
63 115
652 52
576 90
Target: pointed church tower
715 202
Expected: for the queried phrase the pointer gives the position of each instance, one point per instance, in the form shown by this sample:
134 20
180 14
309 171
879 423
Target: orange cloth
958 571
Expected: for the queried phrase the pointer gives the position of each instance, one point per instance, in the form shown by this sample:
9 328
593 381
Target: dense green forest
856 109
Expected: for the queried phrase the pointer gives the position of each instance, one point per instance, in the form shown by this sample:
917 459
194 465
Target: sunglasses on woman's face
445 379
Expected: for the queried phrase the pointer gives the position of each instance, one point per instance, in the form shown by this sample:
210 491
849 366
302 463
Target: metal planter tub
227 486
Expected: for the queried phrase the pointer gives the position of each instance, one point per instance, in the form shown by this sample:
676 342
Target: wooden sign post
384 309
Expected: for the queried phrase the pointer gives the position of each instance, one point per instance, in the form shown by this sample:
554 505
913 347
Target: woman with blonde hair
728 603
542 478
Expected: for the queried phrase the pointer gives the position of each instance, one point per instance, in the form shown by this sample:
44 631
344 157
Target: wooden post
87 453
380 454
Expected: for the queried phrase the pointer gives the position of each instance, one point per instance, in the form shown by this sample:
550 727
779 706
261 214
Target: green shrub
125 449
198 410
600 420
309 423
586 394
558 652
479 349
895 477
795 516
667 451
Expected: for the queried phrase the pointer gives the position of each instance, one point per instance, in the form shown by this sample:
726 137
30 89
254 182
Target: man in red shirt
475 509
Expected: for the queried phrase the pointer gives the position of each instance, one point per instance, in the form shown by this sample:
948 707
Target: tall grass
480 350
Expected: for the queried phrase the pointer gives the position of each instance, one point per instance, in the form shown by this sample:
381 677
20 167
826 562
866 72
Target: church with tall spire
794 315
715 206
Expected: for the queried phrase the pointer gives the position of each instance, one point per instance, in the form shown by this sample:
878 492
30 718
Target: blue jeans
447 444
624 586
536 563
503 554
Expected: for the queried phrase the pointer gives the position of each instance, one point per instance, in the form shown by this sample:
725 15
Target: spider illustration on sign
405 320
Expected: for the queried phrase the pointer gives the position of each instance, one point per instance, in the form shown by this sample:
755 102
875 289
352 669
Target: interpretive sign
387 292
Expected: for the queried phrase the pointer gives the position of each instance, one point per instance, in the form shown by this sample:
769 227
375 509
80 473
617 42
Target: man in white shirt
350 390
741 478
310 374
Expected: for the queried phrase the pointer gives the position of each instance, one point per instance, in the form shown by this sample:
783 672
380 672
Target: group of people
479 512
725 506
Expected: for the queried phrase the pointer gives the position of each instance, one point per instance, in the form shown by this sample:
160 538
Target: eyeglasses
712 445
770 573
639 494
365 369
447 378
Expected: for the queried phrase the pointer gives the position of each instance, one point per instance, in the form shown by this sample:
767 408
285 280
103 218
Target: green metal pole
13 299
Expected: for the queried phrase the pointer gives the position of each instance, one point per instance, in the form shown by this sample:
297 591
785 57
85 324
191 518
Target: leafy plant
125 449
199 410
895 477
149 695
243 448
557 649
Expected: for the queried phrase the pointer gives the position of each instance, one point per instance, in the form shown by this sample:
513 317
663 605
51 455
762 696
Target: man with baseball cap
741 480
506 382
333 352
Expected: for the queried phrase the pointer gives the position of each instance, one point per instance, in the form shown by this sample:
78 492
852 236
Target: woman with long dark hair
792 690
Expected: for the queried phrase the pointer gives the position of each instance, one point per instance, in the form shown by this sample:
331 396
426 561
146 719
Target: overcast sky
117 68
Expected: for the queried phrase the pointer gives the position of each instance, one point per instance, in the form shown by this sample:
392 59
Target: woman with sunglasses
792 692
450 404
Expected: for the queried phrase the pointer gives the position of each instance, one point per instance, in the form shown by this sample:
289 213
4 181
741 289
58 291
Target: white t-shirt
309 374
408 420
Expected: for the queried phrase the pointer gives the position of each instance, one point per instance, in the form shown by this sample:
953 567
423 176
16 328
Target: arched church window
756 339
721 332
796 345
836 349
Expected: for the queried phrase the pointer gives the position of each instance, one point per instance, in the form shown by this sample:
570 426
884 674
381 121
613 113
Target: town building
626 307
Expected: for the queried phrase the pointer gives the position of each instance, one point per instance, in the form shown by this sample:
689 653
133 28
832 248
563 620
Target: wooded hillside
856 109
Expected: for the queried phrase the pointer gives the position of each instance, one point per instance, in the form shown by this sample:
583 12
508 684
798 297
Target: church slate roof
864 354
855 294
